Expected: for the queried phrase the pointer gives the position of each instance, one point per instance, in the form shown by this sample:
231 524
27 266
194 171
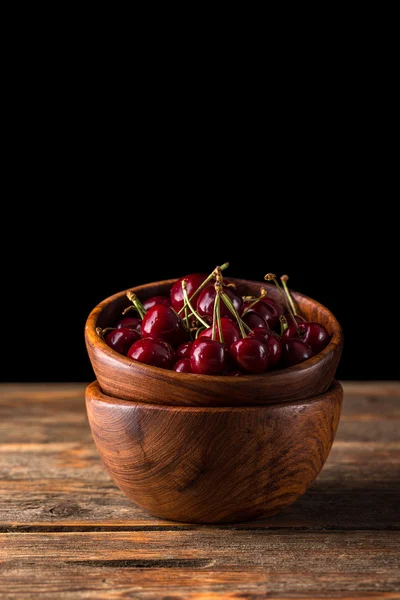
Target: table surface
66 531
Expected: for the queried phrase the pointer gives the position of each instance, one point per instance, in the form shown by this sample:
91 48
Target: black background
70 261
114 176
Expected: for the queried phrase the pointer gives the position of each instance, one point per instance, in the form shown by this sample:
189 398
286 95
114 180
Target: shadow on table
328 505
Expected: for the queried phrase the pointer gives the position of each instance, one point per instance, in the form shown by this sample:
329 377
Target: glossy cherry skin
208 357
182 366
150 302
250 355
313 334
122 339
205 302
230 332
162 322
150 351
193 282
274 344
268 309
130 323
295 351
184 350
254 320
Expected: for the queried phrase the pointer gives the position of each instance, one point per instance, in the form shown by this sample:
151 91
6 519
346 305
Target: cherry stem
284 324
205 282
217 305
101 332
228 304
272 277
136 303
214 321
284 280
187 322
262 295
218 300
198 331
187 302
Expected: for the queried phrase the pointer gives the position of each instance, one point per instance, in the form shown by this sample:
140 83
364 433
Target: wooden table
67 532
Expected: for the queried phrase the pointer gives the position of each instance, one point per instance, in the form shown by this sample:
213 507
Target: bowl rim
95 341
94 392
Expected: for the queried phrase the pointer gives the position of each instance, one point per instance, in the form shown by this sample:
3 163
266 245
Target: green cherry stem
187 322
284 324
205 282
284 280
272 277
198 331
136 303
217 306
228 304
214 321
187 302
262 295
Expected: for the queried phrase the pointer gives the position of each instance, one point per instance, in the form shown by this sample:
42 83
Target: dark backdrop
70 263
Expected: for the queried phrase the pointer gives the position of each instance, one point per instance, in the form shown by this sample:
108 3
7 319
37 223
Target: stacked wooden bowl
208 449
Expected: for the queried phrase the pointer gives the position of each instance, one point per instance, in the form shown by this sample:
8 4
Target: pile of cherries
205 327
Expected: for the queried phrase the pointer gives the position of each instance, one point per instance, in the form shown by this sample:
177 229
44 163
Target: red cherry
150 302
254 320
208 357
130 323
250 355
313 334
275 305
193 282
273 341
260 333
295 351
122 339
230 332
183 366
268 309
162 322
274 344
205 303
184 350
152 352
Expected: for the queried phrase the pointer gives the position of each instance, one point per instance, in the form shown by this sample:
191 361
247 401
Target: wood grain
124 378
209 465
176 563
67 532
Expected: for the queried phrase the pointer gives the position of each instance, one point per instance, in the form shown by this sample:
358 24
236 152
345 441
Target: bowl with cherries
215 397
209 340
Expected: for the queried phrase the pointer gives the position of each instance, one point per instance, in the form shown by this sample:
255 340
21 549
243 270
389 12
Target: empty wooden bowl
211 464
124 378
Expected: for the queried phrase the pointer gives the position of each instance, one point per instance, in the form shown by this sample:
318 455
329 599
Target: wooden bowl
122 377
209 464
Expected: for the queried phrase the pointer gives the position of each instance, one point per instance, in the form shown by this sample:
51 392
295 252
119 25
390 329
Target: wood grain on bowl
213 464
124 378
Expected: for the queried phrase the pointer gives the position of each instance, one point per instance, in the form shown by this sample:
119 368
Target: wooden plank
68 481
266 562
356 489
372 388
67 532
183 582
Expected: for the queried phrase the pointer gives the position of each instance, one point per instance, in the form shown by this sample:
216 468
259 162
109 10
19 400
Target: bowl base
214 465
